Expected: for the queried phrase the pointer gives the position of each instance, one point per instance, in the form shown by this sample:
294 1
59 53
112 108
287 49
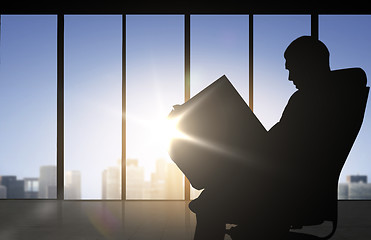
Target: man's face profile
297 73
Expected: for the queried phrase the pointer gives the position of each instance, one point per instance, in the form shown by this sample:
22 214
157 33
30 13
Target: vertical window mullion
123 136
314 25
251 62
187 90
60 107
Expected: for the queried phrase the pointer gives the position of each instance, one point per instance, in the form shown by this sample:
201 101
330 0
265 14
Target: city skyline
166 183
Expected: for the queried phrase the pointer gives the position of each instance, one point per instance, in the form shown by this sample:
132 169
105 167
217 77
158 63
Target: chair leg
209 228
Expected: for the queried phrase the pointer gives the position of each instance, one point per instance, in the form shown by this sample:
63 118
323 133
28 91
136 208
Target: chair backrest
324 206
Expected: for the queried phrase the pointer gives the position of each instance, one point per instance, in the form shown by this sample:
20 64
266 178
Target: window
154 79
93 106
28 125
155 82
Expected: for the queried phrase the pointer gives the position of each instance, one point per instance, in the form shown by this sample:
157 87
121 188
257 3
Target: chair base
237 233
301 236
290 236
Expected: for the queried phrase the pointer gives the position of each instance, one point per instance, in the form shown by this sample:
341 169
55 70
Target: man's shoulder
297 97
295 104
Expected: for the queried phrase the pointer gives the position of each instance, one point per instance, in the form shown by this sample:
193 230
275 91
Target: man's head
307 60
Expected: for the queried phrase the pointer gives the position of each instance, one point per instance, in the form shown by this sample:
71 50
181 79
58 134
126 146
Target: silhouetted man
300 154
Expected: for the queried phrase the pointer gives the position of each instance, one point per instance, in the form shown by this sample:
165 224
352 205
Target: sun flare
165 130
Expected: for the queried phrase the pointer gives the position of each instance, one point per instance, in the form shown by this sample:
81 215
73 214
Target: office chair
207 117
324 206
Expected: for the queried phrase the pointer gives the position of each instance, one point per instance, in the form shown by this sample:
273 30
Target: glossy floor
134 220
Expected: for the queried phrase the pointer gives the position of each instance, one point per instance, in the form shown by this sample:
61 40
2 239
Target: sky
27 94
155 82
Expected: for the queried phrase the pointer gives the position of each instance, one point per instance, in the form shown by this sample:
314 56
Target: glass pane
155 82
272 35
348 39
93 113
219 46
28 106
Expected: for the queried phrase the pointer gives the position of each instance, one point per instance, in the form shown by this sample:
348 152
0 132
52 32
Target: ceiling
179 7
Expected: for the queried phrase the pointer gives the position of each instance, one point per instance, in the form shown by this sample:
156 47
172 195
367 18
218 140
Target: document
221 134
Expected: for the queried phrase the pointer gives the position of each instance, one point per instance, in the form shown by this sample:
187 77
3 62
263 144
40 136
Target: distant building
2 192
167 181
161 169
48 182
14 187
31 187
359 191
135 186
132 162
72 188
52 191
111 183
174 182
158 180
357 179
343 191
356 187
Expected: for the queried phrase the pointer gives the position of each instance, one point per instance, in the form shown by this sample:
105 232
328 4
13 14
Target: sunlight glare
165 130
